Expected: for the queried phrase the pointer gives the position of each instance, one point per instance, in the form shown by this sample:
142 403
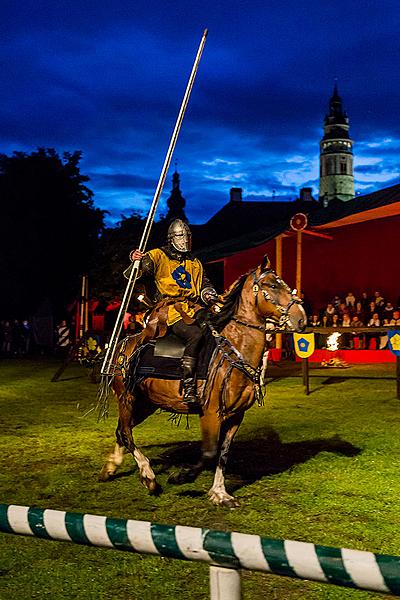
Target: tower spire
336 153
176 202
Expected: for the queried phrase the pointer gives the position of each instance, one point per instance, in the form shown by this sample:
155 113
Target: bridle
272 325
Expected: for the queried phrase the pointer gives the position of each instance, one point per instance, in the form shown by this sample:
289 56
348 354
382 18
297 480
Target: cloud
108 80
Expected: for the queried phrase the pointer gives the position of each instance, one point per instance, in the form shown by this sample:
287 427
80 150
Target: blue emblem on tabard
182 277
303 345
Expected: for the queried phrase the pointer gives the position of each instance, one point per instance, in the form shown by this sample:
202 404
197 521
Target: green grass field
323 469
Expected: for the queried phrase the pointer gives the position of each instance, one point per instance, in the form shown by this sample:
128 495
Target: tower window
343 168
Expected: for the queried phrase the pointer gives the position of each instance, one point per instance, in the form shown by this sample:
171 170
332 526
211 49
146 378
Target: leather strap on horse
227 349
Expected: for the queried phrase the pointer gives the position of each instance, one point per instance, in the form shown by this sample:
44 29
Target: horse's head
274 300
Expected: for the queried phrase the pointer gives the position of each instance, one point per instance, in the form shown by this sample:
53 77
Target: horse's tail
125 349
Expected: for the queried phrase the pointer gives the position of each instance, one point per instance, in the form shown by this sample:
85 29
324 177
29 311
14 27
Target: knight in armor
172 272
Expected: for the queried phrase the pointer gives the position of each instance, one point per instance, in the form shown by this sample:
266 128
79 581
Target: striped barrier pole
226 552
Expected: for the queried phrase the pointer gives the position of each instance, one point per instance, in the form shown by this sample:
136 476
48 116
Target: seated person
396 318
357 323
346 337
172 272
374 322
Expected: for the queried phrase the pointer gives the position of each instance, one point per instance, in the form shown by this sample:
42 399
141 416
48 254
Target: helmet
180 236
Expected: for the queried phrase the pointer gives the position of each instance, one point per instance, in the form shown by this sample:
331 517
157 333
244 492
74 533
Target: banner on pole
394 341
304 344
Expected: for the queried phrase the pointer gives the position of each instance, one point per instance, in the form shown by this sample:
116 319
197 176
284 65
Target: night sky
107 78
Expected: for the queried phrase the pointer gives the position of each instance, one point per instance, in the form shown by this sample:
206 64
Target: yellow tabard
176 279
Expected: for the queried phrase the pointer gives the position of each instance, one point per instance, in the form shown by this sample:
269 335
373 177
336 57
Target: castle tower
176 202
336 154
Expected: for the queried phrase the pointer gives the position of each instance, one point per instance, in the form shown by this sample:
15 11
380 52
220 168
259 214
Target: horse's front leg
218 494
210 425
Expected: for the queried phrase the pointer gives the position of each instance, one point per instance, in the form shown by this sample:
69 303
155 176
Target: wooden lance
108 367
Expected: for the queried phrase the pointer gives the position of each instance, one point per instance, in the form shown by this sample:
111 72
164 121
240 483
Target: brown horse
256 303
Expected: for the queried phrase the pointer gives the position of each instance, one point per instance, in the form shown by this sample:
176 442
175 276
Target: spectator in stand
328 313
380 302
365 300
350 300
346 337
314 321
396 318
374 322
371 311
336 301
387 312
357 323
359 311
335 320
342 310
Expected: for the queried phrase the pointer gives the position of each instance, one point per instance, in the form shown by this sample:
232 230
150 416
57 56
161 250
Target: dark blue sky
107 78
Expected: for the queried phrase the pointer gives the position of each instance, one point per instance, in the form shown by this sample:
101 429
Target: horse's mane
230 300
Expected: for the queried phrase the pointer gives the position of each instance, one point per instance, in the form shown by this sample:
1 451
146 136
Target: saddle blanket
162 358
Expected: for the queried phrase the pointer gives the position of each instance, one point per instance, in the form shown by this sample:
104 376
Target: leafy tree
49 229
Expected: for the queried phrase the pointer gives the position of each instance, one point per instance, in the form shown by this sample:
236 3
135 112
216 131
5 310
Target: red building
359 250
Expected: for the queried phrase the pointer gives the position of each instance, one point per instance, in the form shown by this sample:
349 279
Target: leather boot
189 380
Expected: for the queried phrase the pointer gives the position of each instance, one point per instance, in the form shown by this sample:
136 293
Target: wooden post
398 376
278 266
298 262
306 378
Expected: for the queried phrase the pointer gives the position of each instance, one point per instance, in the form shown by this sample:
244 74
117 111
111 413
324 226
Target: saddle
161 358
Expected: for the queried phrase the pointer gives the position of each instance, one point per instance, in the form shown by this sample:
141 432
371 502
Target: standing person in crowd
25 337
7 338
63 342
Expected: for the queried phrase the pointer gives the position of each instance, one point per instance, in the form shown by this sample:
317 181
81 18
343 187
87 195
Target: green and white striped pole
227 552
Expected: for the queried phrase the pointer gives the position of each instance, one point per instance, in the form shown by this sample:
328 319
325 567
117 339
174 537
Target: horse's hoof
224 500
152 485
184 476
155 489
105 475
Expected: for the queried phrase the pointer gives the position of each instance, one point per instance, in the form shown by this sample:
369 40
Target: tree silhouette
49 229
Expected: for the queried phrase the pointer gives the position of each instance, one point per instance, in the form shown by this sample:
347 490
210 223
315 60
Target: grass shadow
251 460
332 380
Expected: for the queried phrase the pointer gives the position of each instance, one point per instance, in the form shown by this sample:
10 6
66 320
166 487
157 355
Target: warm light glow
332 343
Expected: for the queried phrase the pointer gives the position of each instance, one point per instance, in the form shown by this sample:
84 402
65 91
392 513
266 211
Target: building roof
246 231
238 219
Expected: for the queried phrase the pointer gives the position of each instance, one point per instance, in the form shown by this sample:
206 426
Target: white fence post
225 584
